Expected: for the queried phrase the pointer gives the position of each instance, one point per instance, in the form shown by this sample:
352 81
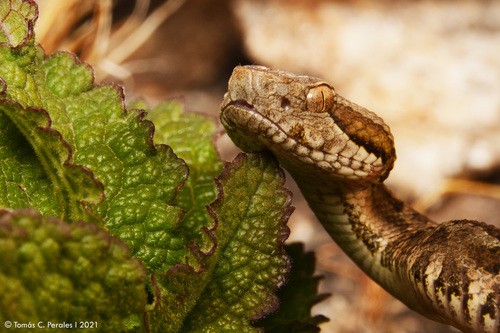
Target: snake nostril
285 103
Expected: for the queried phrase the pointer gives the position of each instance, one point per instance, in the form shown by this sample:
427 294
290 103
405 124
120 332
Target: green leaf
72 186
23 181
297 297
53 271
87 142
191 136
17 18
248 264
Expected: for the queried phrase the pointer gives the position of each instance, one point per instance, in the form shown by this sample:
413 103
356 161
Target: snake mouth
255 120
249 118
269 135
240 103
276 138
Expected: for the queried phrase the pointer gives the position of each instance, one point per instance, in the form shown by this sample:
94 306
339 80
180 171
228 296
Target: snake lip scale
339 154
274 130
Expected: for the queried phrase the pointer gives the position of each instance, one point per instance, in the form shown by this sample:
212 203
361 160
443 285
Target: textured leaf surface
297 297
58 272
23 181
88 143
248 264
191 137
17 18
71 185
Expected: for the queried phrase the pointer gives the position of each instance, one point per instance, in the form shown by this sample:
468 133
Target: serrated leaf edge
199 255
67 163
31 26
273 302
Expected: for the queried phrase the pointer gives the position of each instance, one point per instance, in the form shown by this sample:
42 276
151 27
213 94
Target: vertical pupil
323 104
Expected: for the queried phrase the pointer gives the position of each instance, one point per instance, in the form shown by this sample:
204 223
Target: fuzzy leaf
248 264
22 101
87 142
297 297
23 181
191 136
71 185
17 20
53 271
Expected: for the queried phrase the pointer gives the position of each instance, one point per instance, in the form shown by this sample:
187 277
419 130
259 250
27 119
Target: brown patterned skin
339 154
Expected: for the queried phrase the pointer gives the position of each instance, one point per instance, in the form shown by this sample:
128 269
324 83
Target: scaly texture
339 154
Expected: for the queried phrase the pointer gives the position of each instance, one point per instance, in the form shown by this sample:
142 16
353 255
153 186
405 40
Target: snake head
312 130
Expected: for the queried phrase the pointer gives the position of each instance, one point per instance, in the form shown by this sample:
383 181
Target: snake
339 154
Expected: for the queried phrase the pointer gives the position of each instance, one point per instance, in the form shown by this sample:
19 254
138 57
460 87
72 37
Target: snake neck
369 224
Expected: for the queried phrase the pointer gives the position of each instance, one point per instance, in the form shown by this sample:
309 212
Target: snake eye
320 98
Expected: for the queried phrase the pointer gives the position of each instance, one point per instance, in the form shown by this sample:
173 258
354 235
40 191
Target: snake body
339 154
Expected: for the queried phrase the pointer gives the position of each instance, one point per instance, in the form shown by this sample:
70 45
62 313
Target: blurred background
430 68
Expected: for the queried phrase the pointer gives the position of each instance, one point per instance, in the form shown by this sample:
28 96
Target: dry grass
90 30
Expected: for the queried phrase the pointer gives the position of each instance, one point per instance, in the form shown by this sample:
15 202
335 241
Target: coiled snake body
339 154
